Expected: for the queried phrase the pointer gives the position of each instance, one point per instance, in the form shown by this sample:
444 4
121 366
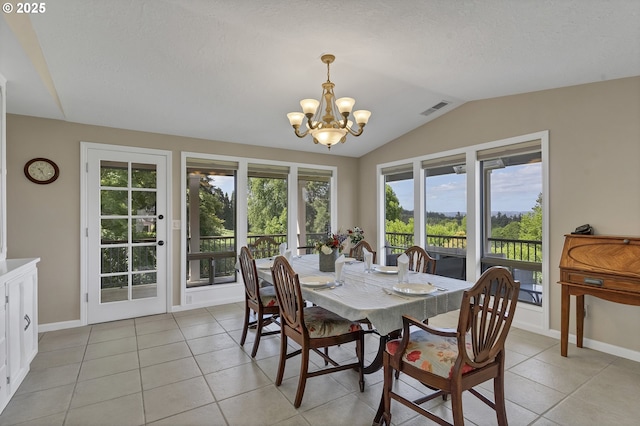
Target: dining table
375 295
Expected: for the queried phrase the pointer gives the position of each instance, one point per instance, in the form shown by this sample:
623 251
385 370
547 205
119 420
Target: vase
328 261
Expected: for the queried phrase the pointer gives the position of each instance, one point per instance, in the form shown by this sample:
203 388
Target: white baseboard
53 326
220 301
601 346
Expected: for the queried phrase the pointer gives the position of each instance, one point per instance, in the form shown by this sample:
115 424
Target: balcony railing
522 257
219 253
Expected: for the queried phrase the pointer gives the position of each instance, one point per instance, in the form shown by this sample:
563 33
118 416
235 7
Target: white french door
127 229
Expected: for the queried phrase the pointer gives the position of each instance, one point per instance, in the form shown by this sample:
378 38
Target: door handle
28 320
160 243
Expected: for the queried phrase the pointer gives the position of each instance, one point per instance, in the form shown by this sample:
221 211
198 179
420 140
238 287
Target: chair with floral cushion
420 261
261 300
312 328
452 361
357 253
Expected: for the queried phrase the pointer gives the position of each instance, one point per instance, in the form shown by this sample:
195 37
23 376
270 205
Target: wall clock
41 170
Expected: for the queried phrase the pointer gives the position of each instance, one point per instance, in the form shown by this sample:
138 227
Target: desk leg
564 320
579 320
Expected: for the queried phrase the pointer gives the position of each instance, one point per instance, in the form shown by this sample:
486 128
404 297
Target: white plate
349 259
414 289
386 269
315 281
265 265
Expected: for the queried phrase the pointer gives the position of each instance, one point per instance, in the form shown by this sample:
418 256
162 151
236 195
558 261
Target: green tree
317 206
393 209
531 223
267 205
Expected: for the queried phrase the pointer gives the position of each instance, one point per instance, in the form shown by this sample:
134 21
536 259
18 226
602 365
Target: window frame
234 291
531 317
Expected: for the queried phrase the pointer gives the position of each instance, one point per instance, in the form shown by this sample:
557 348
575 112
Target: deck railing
224 253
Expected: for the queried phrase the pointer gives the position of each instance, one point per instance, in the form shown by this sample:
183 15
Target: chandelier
328 119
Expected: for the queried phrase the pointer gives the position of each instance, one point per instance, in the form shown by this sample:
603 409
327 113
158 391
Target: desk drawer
601 281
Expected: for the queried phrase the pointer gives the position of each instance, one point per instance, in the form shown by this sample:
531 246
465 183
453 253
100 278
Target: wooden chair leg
283 358
259 325
302 382
456 407
500 407
246 325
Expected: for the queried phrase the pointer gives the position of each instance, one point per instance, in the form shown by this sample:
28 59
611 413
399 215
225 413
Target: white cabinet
18 323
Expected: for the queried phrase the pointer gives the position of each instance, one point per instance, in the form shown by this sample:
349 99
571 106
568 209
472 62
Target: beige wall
594 171
44 220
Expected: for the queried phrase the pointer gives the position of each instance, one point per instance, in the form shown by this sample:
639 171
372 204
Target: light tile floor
187 368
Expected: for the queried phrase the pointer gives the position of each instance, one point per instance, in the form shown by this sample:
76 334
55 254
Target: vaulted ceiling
230 70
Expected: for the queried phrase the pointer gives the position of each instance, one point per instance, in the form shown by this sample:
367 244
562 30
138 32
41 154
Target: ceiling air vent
436 107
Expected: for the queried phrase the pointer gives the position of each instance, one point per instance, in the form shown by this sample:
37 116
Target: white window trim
529 317
191 298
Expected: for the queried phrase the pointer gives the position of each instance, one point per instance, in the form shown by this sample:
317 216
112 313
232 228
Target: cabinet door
22 326
14 333
4 387
28 315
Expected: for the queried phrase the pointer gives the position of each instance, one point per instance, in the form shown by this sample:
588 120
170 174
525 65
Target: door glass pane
143 175
114 173
114 288
139 226
446 217
143 203
211 222
114 259
144 258
144 230
399 230
144 285
114 231
113 202
315 195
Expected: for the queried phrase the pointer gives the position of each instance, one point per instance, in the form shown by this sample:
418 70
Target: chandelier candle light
328 119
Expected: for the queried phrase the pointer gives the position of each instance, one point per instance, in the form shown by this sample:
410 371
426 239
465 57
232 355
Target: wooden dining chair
452 361
312 328
261 300
263 247
420 261
357 253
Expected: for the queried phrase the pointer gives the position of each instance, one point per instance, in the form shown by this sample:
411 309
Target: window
479 206
512 214
267 208
231 202
211 222
314 207
446 214
398 211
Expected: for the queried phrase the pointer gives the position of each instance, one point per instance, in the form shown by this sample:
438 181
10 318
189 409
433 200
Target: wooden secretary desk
606 267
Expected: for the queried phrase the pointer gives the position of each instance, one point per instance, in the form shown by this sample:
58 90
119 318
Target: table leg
376 364
579 320
564 320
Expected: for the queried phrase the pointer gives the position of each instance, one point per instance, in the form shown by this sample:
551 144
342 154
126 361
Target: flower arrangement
331 242
356 234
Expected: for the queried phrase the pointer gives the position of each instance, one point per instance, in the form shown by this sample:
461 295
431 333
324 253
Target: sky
514 188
